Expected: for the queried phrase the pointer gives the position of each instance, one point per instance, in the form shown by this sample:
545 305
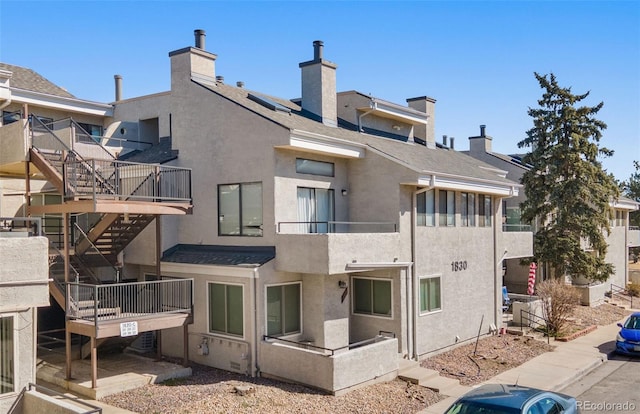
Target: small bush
633 289
558 302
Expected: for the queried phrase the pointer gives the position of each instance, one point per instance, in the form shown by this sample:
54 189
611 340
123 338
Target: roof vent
220 79
240 84
200 38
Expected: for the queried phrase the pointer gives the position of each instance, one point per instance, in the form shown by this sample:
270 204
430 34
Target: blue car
512 399
628 340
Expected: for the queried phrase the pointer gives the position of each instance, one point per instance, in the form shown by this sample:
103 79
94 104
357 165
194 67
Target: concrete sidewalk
555 370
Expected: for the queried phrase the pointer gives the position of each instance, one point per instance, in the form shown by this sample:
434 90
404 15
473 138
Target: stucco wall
23 260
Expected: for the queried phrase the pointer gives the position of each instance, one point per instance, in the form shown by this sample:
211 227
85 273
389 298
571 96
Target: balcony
101 311
332 370
327 247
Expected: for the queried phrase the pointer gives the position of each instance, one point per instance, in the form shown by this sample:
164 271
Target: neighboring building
330 235
620 240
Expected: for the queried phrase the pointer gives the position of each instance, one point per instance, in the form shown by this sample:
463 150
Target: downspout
255 369
496 262
362 116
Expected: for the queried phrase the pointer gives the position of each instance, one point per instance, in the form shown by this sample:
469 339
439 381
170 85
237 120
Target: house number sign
458 266
129 329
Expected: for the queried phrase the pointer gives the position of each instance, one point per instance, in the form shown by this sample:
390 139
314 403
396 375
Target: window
372 296
304 166
430 294
226 309
484 210
240 209
11 117
94 131
7 348
426 206
468 201
447 208
283 309
315 209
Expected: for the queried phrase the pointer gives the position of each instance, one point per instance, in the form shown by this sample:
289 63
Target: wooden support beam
185 344
94 363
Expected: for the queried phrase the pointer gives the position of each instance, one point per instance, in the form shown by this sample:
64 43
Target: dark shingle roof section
243 256
156 154
417 156
27 79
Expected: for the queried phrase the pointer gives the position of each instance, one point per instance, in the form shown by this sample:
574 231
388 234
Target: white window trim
244 320
353 302
300 310
424 313
16 355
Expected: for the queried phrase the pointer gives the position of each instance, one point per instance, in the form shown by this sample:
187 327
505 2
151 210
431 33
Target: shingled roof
27 79
416 156
243 256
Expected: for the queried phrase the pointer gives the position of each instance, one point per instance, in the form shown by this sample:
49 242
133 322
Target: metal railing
516 227
16 407
109 302
382 336
127 181
31 225
621 292
533 321
323 227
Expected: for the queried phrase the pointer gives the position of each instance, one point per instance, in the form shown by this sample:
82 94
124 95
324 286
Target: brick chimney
480 144
319 86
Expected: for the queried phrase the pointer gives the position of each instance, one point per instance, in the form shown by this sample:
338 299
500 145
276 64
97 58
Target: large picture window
240 209
430 294
447 208
315 209
484 210
426 208
468 213
7 367
283 309
372 296
226 309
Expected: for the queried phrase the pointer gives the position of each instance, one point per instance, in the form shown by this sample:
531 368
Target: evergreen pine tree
568 194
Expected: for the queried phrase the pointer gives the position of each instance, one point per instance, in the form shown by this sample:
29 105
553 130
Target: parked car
628 340
508 399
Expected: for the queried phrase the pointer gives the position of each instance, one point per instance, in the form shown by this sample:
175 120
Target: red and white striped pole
532 279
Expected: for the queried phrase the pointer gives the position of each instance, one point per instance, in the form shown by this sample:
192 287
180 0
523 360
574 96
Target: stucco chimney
200 36
480 144
319 86
118 81
427 132
192 63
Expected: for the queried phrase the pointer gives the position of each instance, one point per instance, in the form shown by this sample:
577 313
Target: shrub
633 289
558 302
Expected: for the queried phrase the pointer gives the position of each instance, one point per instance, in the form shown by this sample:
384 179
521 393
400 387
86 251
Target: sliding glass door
315 210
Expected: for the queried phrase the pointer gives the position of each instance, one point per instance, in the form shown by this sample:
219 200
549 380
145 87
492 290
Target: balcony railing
382 336
323 227
110 302
516 227
32 226
127 181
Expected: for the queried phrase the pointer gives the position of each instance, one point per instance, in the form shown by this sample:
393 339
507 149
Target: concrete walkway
554 370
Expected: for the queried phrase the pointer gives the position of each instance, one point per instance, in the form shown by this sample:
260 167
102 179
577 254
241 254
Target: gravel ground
496 354
210 390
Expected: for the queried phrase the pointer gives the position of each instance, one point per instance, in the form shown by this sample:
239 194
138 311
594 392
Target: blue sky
476 58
